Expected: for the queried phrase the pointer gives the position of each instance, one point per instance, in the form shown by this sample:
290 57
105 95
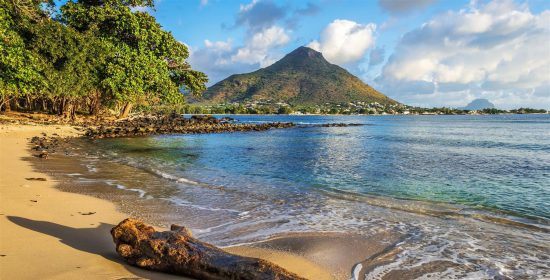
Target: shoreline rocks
172 124
144 125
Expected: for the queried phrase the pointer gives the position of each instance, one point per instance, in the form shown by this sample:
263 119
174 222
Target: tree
284 110
148 63
91 54
69 63
19 71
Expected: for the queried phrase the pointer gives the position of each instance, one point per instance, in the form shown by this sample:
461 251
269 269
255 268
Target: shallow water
472 190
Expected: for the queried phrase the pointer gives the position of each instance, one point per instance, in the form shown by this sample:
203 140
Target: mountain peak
302 77
305 52
302 57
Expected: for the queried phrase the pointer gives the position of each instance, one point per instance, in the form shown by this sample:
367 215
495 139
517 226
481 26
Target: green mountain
301 77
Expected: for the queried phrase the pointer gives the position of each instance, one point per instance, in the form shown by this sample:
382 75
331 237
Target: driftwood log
178 252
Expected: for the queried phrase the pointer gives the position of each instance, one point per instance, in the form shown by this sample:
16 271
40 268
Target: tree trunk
176 251
61 109
28 103
56 106
126 110
68 109
5 104
8 104
95 101
73 112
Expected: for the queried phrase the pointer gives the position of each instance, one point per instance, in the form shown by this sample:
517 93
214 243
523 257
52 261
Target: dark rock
147 125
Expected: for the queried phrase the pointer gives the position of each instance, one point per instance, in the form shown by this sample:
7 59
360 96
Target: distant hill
302 77
478 104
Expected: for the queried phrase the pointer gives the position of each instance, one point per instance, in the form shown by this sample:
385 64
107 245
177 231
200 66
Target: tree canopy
90 54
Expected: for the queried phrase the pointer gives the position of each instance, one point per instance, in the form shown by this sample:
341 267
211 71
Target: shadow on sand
95 240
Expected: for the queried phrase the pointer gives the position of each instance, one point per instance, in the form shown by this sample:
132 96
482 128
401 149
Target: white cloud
249 6
261 21
345 41
219 46
219 59
493 50
258 47
214 58
270 37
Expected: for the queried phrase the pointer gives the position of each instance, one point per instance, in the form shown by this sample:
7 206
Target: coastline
49 233
327 237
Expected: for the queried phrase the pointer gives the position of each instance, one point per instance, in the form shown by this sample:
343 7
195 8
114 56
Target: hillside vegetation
302 77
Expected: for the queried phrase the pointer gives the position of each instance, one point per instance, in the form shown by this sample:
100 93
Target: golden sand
44 234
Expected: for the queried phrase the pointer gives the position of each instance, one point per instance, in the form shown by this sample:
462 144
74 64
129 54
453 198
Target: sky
419 52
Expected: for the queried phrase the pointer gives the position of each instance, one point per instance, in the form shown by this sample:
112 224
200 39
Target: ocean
469 190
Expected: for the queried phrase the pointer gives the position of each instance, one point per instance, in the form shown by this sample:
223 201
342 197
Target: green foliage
93 53
64 60
528 111
284 110
19 71
148 62
131 75
492 111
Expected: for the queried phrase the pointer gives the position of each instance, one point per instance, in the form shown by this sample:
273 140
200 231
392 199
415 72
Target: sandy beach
56 215
49 234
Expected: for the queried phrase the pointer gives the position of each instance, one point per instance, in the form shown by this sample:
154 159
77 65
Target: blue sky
420 52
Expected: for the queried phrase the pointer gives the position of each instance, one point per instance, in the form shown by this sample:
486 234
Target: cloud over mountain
493 49
263 37
257 47
345 41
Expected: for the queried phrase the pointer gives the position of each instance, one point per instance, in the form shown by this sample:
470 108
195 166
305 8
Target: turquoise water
499 163
473 190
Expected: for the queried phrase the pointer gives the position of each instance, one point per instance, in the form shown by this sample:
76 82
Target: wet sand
43 234
337 252
47 233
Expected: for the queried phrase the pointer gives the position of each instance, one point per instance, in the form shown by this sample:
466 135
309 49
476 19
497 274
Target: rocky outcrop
44 145
178 252
166 124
